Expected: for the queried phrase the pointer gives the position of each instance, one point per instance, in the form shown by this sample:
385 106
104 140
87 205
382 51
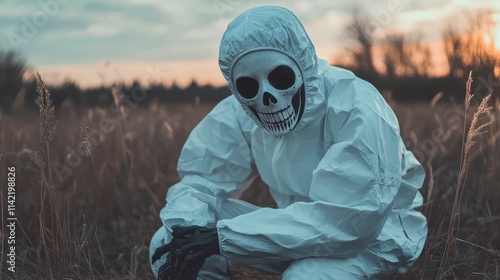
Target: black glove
188 249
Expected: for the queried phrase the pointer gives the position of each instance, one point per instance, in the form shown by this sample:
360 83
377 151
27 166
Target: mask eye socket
247 87
282 77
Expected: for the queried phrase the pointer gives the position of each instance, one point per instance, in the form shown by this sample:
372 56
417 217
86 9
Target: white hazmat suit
325 142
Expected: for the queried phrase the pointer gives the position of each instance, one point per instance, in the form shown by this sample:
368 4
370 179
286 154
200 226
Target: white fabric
343 180
216 266
378 261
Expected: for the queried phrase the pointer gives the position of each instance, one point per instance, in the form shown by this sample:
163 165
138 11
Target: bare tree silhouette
403 58
361 52
472 48
12 69
405 66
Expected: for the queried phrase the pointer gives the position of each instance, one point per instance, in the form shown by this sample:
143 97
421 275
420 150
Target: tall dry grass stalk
475 129
121 114
129 179
48 122
83 140
58 248
48 126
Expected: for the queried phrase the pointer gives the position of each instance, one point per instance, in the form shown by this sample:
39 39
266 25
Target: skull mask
270 84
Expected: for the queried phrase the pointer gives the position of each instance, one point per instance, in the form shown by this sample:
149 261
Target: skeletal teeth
279 120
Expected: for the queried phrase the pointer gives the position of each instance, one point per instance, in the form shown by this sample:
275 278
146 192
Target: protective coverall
344 183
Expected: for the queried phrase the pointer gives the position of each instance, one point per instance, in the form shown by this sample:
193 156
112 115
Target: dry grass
92 213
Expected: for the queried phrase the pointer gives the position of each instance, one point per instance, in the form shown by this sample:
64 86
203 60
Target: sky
95 42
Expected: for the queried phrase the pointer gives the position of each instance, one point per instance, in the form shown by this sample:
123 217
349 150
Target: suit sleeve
214 163
352 192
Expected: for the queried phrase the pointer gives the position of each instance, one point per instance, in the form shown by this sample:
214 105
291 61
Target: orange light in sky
146 72
496 19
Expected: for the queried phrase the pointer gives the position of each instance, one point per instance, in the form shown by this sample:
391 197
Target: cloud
94 31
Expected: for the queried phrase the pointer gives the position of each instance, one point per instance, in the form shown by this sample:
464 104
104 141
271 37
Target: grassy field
88 211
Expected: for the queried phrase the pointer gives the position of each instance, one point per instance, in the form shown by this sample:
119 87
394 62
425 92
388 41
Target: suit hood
278 29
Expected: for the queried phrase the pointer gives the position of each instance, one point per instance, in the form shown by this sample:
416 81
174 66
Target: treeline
401 66
405 68
103 96
16 93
